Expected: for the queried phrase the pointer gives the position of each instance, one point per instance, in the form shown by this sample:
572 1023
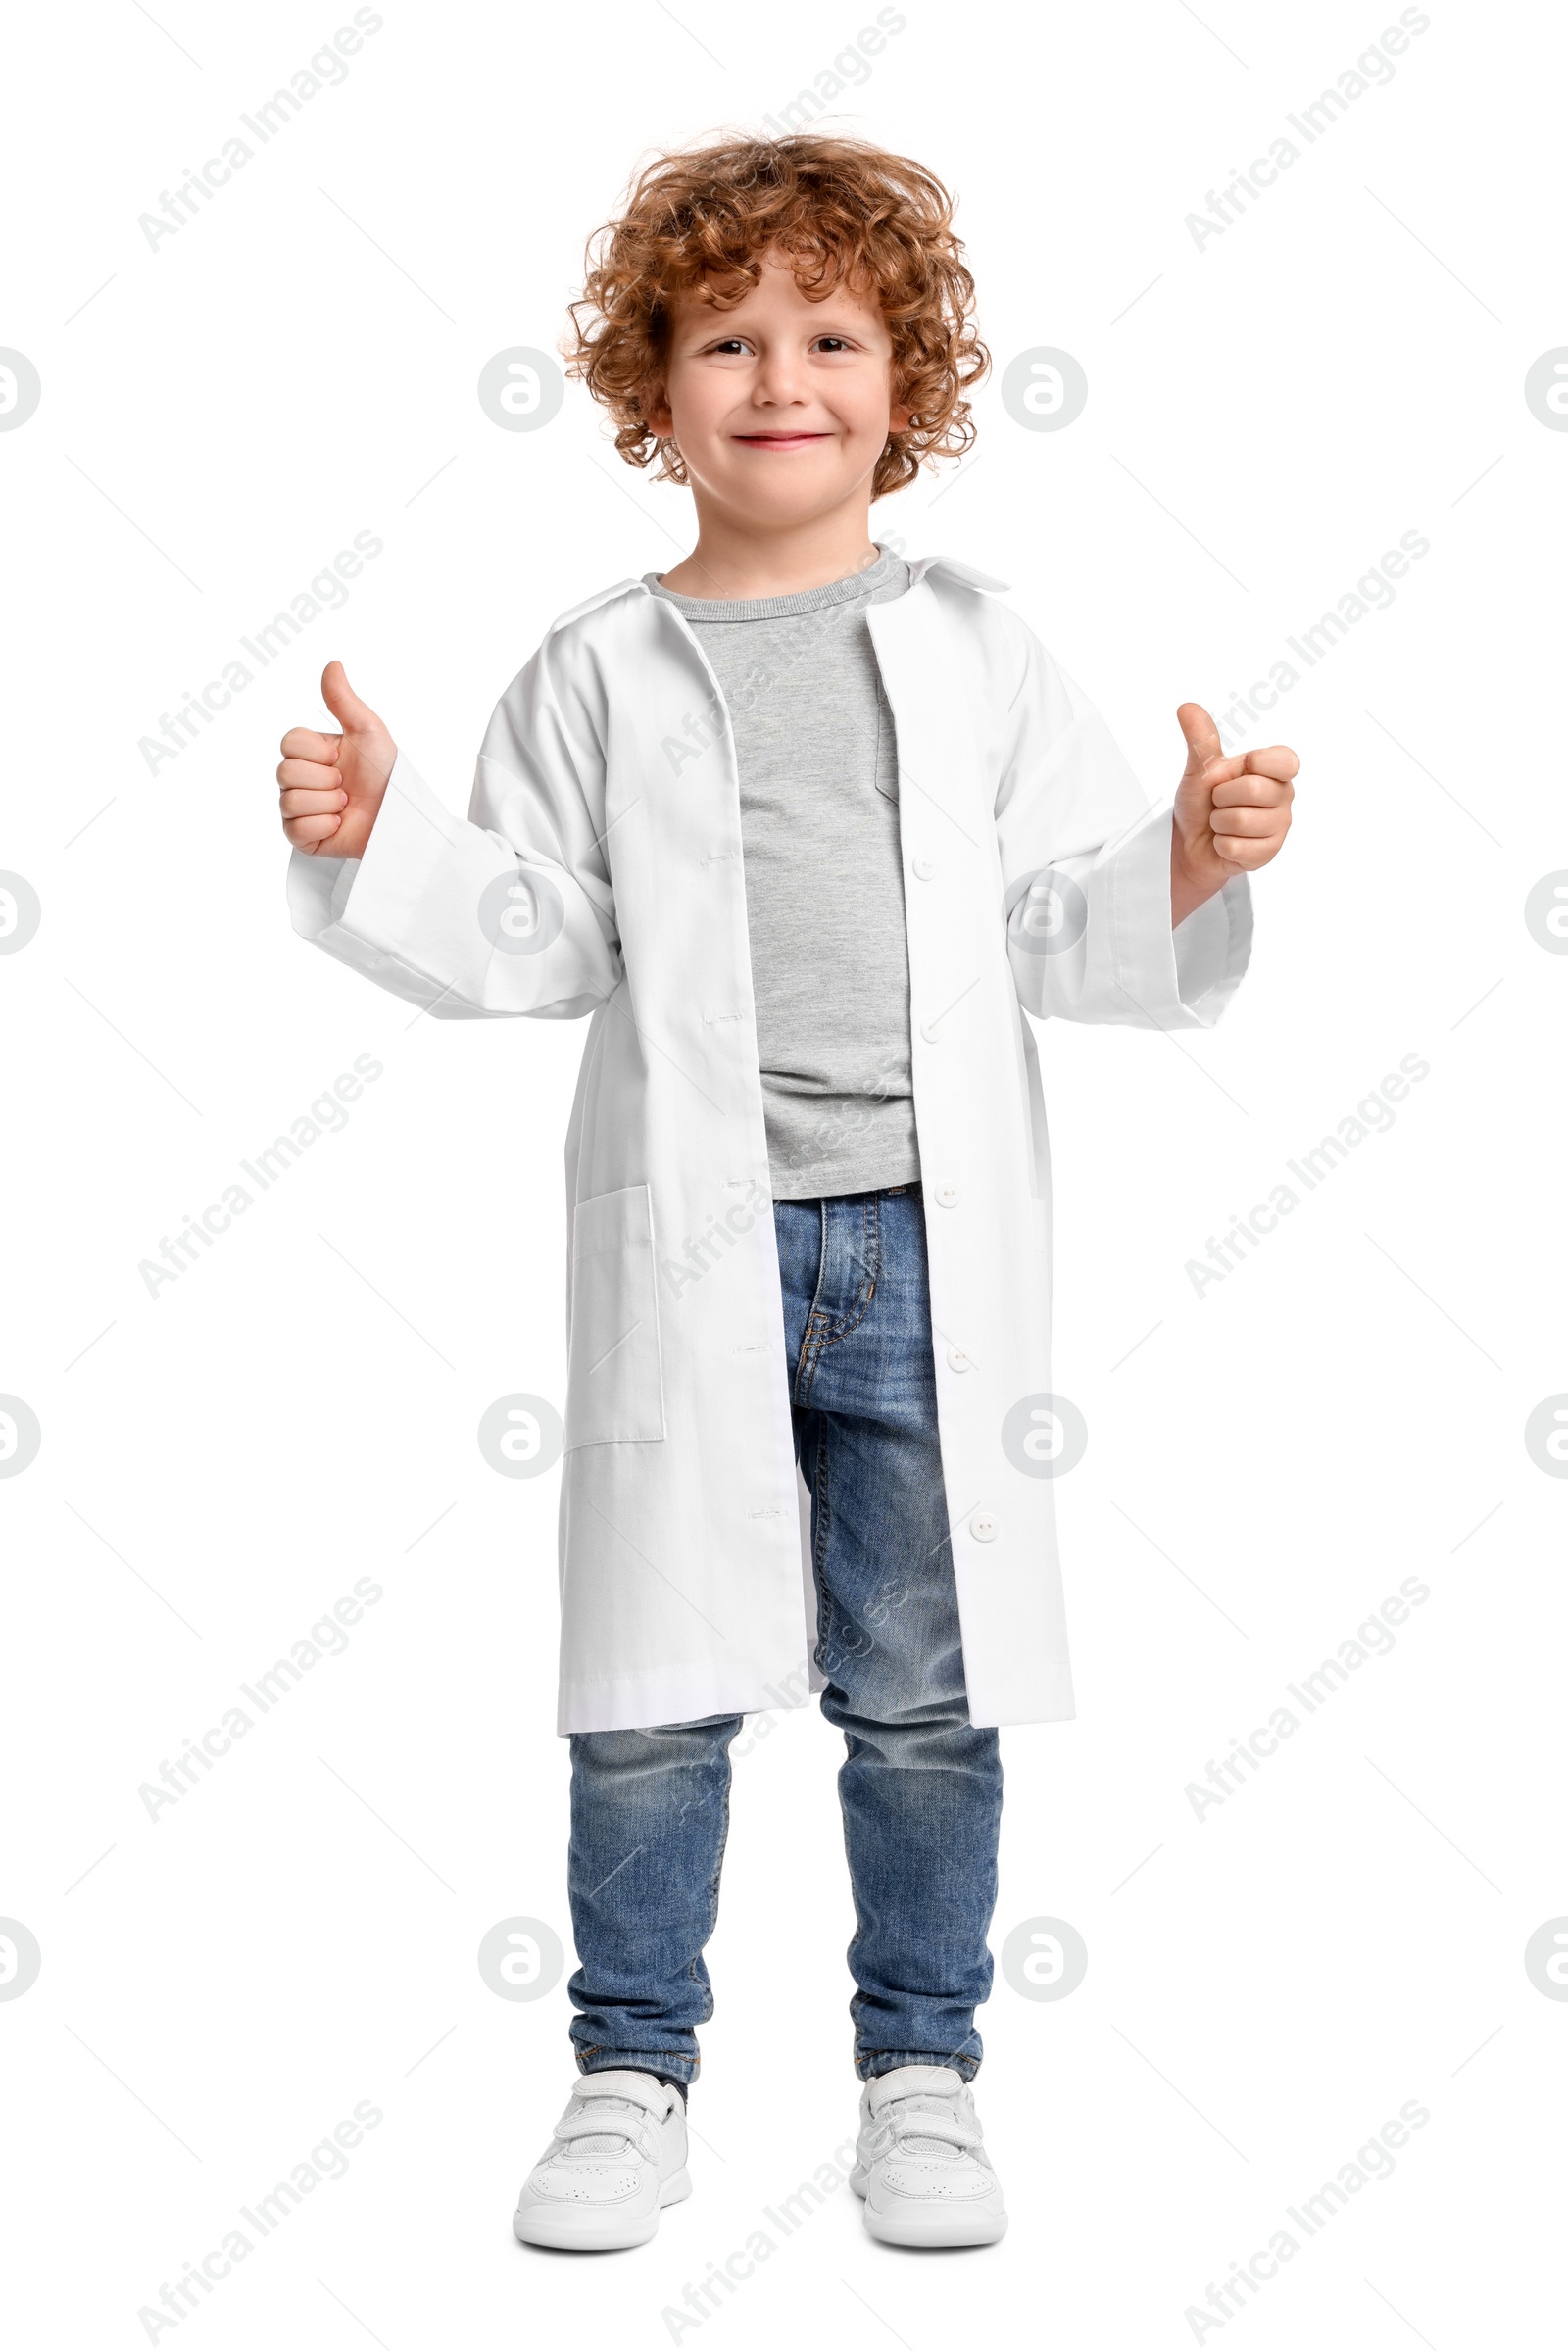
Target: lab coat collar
947 567
944 566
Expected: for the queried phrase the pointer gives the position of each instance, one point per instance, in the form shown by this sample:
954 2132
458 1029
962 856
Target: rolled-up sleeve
510 912
1086 876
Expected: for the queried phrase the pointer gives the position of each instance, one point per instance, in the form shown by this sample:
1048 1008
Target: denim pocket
614 1379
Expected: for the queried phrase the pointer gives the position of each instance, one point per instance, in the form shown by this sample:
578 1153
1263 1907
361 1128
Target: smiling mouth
779 440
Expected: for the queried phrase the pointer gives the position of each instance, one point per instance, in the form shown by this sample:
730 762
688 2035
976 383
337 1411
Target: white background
1267 1984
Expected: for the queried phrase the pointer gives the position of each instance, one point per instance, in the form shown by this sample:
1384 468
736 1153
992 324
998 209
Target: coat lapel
931 689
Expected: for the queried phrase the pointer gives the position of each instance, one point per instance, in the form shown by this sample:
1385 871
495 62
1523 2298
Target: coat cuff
1182 978
381 897
318 891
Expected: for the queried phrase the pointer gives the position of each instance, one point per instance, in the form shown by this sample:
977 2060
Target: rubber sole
937 2226
581 2229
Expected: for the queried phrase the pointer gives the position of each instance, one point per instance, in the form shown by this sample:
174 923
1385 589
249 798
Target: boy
807 829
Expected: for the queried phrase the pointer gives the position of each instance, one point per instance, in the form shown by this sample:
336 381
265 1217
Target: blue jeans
920 1788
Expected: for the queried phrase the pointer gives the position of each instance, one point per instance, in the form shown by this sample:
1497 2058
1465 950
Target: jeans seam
714 1881
965 2067
654 2061
824 1515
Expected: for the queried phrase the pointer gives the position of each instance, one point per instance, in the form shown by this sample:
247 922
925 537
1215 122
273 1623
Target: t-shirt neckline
778 608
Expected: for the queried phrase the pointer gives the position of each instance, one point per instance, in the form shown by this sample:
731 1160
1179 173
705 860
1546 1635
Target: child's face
780 407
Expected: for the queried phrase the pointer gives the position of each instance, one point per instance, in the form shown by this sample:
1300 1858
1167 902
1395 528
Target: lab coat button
983 1527
948 1195
957 1361
923 869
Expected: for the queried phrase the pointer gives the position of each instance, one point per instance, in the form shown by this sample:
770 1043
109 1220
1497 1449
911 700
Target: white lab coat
607 797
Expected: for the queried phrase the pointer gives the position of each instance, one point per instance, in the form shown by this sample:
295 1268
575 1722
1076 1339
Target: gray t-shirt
824 876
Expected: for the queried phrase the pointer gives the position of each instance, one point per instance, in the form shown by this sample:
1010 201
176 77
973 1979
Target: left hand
1232 812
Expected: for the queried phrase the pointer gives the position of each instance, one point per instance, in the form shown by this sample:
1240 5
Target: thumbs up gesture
332 785
1232 812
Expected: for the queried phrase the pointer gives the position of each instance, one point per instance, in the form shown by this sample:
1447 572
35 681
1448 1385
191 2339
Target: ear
661 423
898 418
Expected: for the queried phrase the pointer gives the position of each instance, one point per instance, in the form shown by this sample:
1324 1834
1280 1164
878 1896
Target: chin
797 483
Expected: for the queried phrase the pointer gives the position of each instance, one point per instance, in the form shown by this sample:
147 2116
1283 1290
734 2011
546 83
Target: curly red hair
842 211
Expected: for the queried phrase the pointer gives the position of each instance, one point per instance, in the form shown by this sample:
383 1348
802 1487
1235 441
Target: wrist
1194 880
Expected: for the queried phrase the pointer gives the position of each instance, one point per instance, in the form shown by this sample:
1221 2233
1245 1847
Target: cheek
867 409
687 407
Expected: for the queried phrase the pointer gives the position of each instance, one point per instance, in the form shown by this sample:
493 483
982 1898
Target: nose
779 378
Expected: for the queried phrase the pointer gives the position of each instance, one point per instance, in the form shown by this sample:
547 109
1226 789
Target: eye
833 342
730 343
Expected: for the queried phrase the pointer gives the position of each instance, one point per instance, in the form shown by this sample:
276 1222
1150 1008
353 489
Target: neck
737 557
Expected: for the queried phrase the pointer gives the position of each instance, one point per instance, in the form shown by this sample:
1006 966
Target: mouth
780 440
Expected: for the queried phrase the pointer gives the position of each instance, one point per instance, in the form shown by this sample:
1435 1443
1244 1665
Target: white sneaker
619 2153
919 2164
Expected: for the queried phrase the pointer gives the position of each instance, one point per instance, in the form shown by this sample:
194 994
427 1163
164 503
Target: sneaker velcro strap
639 2090
936 2122
633 2128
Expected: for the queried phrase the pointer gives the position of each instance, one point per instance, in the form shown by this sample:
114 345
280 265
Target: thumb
353 715
1202 737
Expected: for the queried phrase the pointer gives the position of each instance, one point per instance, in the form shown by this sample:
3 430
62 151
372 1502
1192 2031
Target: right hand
332 785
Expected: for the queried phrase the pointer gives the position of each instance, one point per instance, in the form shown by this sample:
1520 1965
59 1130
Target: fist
332 785
1233 810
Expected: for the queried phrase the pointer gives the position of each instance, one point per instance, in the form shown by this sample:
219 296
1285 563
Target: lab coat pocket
614 1379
